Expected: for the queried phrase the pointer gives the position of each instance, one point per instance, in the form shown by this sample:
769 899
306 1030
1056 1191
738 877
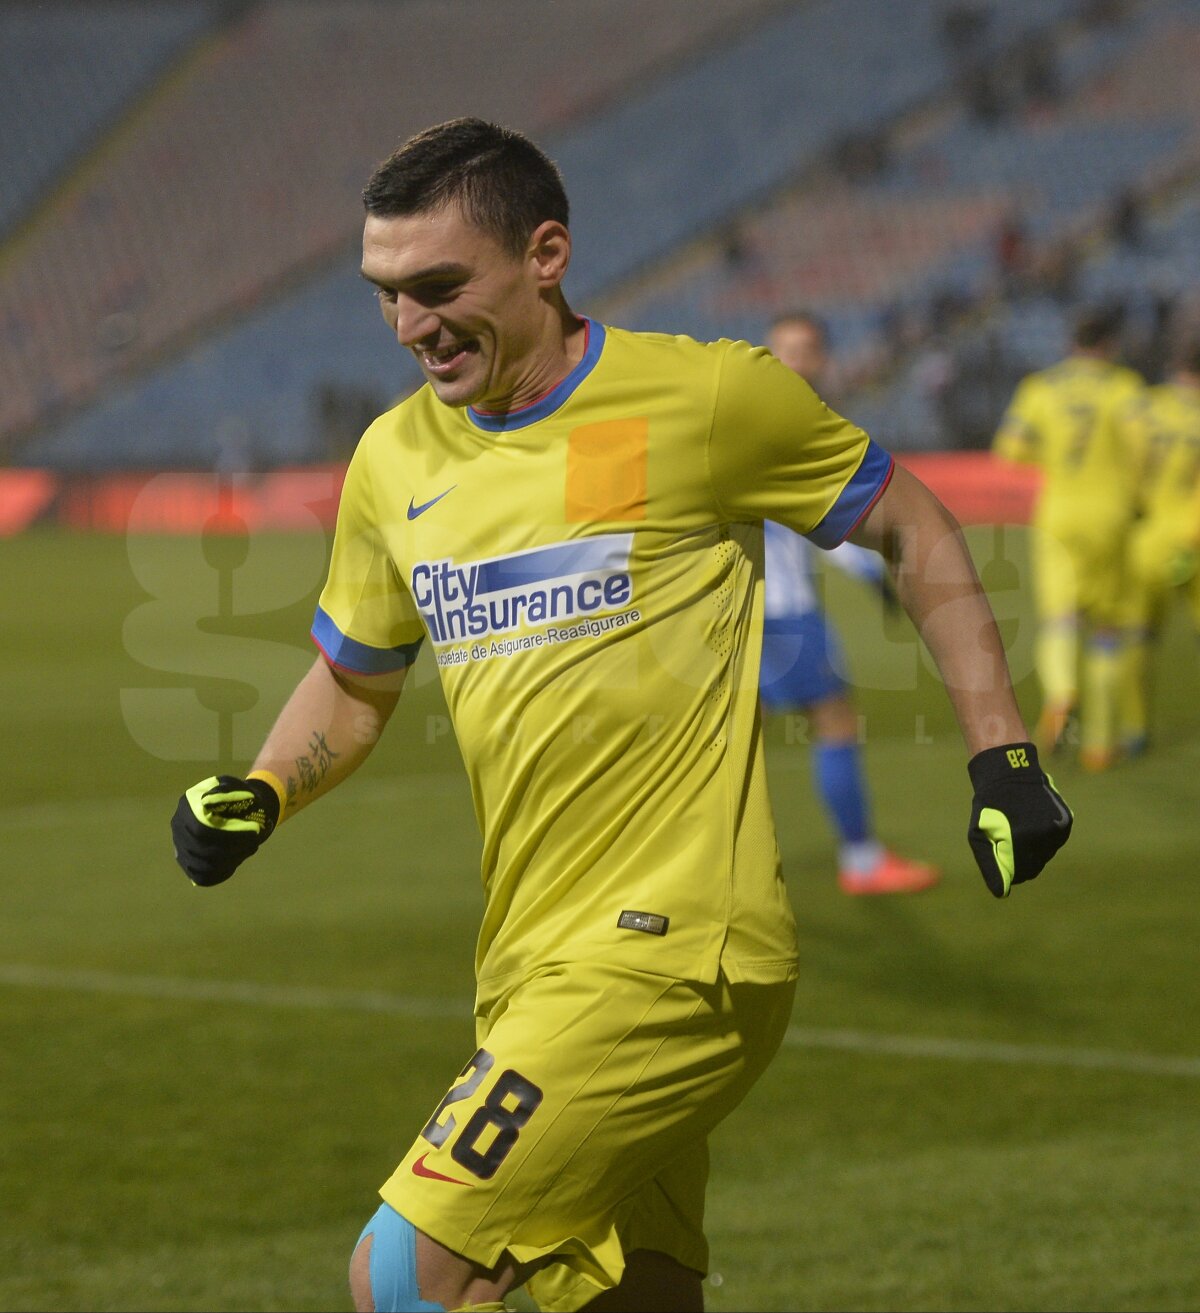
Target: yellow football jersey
588 571
1167 432
1066 419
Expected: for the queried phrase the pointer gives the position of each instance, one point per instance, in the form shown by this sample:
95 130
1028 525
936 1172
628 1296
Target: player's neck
560 349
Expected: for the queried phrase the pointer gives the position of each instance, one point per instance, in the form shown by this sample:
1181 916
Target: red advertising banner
24 498
977 489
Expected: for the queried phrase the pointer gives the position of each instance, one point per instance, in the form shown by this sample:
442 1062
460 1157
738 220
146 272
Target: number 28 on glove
1018 818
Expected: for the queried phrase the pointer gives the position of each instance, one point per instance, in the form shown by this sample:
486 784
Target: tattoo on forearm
313 767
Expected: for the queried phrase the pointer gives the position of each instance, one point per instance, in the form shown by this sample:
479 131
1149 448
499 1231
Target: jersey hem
760 971
700 966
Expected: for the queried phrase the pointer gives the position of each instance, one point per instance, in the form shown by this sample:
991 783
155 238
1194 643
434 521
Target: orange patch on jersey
606 471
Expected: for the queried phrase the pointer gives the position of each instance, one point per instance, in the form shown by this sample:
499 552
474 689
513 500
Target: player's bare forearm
937 585
326 731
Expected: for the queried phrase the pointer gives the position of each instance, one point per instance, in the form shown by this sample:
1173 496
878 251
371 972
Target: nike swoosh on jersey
419 1169
414 511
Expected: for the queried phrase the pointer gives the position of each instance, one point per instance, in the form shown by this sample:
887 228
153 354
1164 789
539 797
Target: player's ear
550 252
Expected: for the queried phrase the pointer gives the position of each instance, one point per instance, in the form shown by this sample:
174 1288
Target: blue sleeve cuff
854 503
360 658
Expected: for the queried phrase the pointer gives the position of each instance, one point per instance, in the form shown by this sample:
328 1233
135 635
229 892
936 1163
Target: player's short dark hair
498 178
809 318
1097 325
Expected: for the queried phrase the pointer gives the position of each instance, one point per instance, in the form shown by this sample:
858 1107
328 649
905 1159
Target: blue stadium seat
66 71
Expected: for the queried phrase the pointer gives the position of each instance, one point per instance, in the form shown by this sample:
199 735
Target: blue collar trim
550 401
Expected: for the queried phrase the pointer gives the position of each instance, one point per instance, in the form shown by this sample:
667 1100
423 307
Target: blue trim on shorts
394 1264
801 659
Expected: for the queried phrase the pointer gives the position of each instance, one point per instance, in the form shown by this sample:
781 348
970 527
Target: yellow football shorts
1163 557
578 1131
1079 568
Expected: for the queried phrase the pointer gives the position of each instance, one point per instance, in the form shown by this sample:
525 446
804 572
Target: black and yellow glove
1018 819
219 823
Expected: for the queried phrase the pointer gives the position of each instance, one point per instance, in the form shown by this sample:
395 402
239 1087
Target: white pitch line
870 1043
93 811
175 988
968 1050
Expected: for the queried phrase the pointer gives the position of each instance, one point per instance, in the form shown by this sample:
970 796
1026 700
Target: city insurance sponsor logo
560 592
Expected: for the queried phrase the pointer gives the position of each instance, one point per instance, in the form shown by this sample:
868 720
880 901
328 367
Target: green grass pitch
980 1106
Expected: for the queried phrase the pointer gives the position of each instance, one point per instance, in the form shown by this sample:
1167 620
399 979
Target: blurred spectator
117 331
1126 222
343 414
736 250
742 257
981 89
1013 255
228 13
963 28
1099 13
1185 315
1055 271
892 334
1148 346
978 387
1039 77
235 446
933 374
861 156
946 307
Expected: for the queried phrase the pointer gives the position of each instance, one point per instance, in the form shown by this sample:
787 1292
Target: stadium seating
865 251
66 71
245 169
737 103
873 254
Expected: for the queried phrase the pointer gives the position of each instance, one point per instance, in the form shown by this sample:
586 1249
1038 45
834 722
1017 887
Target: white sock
860 858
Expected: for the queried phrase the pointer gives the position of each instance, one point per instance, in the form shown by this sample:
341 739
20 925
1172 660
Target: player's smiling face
475 316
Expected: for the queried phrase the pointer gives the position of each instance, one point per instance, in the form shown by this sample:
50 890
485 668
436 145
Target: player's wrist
1004 764
277 787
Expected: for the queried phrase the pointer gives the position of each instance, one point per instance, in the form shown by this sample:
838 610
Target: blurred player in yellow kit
1067 420
571 515
1164 548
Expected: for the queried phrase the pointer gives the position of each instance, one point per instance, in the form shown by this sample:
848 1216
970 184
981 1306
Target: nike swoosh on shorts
419 1169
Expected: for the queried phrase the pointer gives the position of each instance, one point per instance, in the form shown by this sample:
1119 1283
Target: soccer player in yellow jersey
1066 420
571 516
1164 550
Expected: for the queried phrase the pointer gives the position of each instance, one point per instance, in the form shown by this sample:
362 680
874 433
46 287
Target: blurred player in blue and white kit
571 515
803 666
